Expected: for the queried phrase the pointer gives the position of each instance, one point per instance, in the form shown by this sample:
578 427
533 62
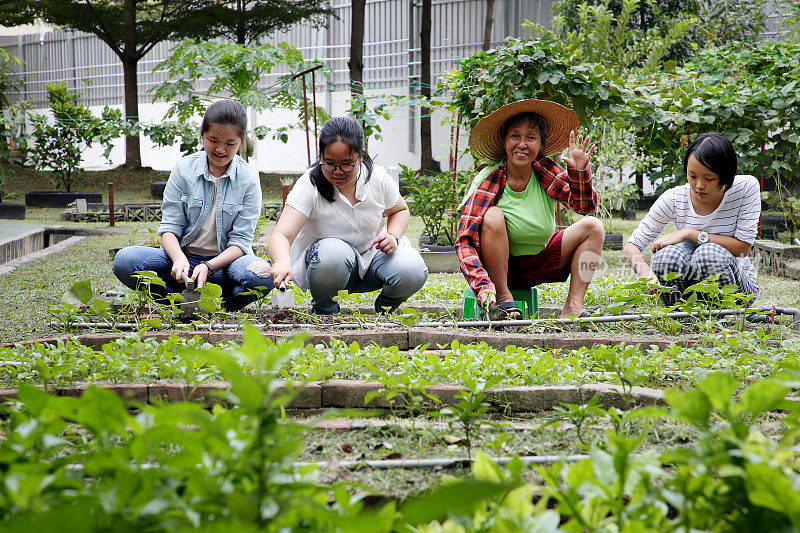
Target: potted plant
616 197
60 145
435 198
784 213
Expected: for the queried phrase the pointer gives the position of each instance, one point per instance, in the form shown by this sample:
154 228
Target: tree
131 28
487 25
425 136
245 21
358 102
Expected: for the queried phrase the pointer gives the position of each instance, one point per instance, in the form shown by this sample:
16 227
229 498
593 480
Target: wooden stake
111 204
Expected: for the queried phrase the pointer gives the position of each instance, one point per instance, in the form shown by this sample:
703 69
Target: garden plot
359 388
622 311
252 432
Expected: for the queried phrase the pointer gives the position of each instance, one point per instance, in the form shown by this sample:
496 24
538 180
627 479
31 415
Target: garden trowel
191 296
283 298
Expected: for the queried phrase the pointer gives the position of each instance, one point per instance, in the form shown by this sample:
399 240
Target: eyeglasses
328 167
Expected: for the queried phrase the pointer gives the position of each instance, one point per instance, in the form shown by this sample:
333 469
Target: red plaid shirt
572 188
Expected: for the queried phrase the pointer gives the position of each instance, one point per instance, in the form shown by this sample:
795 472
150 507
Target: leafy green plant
787 204
69 309
598 34
235 71
14 135
436 198
532 68
615 197
747 93
3 176
167 133
403 390
578 415
611 491
59 147
732 476
174 466
469 411
8 81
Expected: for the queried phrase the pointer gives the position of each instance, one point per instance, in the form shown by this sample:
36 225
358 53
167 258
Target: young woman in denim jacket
211 206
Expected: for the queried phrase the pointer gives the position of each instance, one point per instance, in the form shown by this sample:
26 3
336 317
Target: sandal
584 314
505 311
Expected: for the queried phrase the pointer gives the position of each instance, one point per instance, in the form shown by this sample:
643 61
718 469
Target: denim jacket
188 199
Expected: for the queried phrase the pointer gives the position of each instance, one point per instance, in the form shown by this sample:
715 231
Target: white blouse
356 224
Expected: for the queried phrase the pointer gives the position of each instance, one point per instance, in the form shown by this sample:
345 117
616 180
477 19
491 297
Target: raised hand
579 152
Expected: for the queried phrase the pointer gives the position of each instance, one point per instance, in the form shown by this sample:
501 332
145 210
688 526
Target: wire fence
391 49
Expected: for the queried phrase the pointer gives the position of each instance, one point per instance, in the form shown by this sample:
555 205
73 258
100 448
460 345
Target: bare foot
570 311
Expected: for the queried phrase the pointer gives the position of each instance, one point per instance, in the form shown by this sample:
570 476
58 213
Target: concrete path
10 228
12 265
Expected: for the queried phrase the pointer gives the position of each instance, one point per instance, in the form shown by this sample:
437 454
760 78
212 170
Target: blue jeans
234 278
332 266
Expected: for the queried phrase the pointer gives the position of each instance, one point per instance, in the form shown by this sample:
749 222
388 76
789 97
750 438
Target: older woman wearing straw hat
506 236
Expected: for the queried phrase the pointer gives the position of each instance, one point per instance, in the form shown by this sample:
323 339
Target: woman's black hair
715 152
348 131
534 120
225 113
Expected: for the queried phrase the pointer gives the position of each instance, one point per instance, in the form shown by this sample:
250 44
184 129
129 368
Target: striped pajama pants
696 262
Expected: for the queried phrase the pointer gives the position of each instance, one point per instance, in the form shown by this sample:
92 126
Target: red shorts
525 271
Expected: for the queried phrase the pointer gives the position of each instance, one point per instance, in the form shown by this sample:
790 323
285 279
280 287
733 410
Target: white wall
276 156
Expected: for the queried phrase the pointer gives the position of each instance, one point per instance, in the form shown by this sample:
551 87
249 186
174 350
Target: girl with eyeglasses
331 235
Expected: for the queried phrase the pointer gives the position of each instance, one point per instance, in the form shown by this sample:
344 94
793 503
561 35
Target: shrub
59 147
435 200
749 95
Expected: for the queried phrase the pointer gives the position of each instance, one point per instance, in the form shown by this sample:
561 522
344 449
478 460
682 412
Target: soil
654 330
394 438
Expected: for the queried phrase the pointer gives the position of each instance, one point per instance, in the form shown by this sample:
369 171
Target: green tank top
530 218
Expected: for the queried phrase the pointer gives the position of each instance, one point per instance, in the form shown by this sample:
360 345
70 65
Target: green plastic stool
526 299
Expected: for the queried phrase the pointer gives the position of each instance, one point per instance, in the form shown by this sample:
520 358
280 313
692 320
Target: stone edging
403 339
350 394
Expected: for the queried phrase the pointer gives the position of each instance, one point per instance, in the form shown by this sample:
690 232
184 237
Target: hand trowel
283 298
191 296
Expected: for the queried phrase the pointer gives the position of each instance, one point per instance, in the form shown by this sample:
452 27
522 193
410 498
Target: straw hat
484 140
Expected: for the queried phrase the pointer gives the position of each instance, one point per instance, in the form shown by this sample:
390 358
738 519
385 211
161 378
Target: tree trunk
241 38
426 138
356 63
133 156
487 26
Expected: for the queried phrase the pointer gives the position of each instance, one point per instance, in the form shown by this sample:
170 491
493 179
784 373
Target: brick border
404 339
350 394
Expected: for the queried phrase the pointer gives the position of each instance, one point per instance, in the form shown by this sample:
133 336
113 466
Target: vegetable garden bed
252 426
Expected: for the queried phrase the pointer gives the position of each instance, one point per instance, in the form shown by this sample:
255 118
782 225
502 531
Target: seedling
468 412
